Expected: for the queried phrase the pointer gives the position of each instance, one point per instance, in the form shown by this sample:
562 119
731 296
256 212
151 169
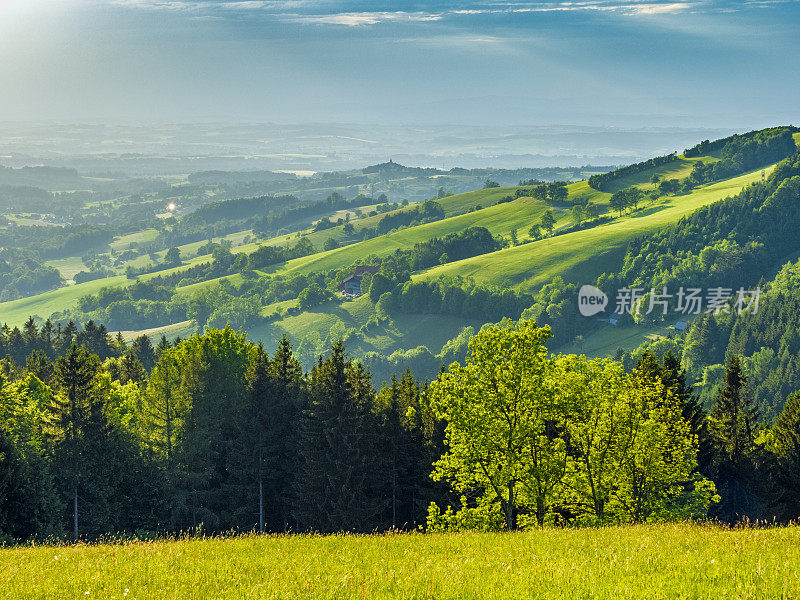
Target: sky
729 63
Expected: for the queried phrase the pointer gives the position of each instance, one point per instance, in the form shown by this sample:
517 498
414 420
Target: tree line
603 181
214 433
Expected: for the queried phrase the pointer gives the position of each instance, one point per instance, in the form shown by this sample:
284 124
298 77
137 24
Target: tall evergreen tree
39 365
264 454
674 379
142 349
408 465
130 369
213 386
163 344
77 422
163 407
12 483
786 442
337 487
732 424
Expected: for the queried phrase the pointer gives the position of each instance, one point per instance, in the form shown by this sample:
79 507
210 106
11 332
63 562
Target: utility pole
75 512
260 506
260 486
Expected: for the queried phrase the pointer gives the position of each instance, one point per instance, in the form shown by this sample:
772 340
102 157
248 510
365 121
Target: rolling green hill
584 254
578 257
17 312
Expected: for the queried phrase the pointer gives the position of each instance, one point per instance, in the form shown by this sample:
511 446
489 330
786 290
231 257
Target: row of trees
602 182
222 435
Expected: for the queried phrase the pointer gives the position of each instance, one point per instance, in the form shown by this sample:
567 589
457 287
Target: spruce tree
408 467
674 379
39 365
732 424
288 402
336 487
143 350
163 344
786 441
163 407
213 385
12 483
76 420
263 458
130 369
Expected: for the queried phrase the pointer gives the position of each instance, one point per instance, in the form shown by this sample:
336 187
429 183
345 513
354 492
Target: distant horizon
151 149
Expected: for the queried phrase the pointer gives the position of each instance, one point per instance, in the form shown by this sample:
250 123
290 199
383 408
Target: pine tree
213 386
130 369
336 486
30 333
143 350
65 338
164 407
12 482
674 379
733 418
262 460
732 423
46 338
75 417
39 365
786 441
407 465
163 344
289 399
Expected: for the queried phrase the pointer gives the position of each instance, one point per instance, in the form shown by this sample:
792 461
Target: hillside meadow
666 561
585 254
576 256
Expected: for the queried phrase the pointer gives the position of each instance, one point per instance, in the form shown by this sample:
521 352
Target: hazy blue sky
681 62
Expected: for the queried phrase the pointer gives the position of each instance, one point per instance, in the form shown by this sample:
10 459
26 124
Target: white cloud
307 11
355 19
206 5
656 9
456 40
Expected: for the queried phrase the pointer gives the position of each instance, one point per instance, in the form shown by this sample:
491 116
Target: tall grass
667 561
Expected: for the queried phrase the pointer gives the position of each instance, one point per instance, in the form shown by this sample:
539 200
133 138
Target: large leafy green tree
29 504
497 408
591 388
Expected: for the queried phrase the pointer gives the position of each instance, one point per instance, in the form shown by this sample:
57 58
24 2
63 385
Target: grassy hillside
183 329
333 318
499 220
668 561
577 256
584 254
17 312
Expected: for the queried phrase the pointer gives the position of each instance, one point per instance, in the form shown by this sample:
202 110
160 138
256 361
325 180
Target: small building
681 325
351 285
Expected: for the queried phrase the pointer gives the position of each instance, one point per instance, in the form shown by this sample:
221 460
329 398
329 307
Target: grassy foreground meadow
666 561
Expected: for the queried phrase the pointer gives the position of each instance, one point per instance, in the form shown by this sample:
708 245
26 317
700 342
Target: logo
591 300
